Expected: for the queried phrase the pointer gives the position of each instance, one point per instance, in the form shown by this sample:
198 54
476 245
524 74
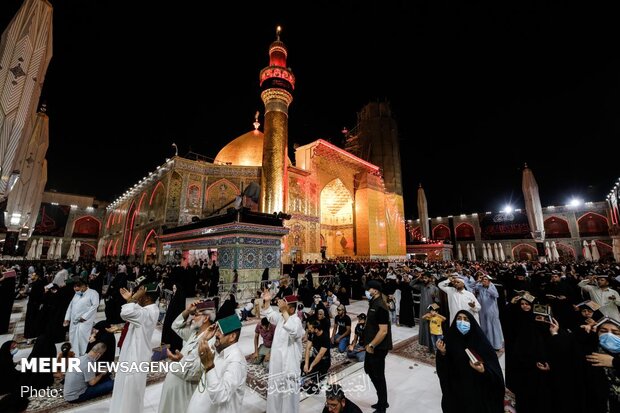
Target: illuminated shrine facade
337 202
568 226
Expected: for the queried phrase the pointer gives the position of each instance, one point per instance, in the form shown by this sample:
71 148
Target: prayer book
473 357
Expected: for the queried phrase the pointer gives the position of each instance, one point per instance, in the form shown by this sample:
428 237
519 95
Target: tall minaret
277 83
25 53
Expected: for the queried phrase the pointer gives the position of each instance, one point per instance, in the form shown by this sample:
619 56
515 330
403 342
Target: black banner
503 225
52 220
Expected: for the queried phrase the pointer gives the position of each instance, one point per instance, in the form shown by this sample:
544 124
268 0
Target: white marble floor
412 386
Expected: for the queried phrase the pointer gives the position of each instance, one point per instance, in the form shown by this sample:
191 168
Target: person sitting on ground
341 333
87 383
317 359
336 401
357 348
65 353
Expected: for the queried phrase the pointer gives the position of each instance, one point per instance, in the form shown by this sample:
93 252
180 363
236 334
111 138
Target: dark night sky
477 88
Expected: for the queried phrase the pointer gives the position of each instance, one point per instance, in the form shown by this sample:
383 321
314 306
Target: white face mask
14 351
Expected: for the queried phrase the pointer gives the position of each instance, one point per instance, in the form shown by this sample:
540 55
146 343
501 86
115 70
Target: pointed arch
441 232
565 250
556 227
465 232
525 252
146 239
86 227
87 250
107 250
135 244
158 186
115 247
592 224
128 230
219 193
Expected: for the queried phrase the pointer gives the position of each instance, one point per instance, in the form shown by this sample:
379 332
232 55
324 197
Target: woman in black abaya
469 387
406 316
103 336
35 302
43 348
176 307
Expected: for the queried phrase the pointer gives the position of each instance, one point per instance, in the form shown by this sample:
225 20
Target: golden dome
246 150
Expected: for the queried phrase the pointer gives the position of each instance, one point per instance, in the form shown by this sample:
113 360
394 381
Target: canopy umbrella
489 251
71 250
423 213
99 253
548 252
555 256
39 249
76 255
485 256
468 248
32 251
58 250
533 208
473 252
595 254
51 249
616 249
459 252
502 257
495 252
586 251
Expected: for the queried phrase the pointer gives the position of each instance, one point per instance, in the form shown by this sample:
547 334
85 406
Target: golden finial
278 31
256 122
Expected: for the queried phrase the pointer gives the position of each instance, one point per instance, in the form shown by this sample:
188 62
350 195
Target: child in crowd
391 302
434 323
163 307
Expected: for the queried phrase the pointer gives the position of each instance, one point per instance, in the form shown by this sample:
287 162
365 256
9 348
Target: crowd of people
559 325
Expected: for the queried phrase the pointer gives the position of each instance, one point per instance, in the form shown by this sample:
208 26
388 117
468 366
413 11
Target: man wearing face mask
80 315
181 383
378 336
602 367
87 384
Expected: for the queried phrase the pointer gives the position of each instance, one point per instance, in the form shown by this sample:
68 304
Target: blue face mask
610 342
463 326
14 351
368 295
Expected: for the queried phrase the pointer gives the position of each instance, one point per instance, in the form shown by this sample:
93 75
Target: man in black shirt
379 338
317 358
342 329
357 348
336 402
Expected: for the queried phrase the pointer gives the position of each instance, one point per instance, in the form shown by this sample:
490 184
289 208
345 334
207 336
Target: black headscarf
9 376
175 307
464 389
102 336
43 348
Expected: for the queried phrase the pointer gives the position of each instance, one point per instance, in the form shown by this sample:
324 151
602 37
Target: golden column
277 83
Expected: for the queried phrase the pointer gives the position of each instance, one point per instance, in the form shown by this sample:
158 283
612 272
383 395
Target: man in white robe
286 354
459 298
80 316
222 384
180 385
141 313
